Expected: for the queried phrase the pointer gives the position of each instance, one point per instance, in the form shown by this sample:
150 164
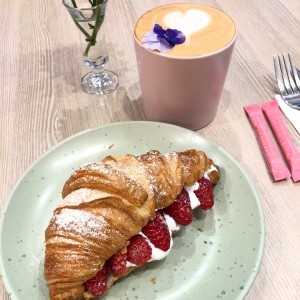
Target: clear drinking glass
88 16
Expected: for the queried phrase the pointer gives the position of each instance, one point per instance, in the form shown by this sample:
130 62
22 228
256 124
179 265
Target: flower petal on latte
162 40
149 37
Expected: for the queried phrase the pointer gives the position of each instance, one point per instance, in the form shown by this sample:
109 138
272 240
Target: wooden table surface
42 104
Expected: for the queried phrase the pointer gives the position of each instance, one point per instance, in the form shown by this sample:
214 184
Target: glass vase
88 16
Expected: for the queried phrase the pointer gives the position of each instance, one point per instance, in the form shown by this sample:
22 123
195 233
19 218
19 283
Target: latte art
189 22
206 29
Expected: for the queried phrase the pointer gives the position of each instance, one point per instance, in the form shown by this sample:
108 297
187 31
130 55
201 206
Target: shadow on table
132 103
65 66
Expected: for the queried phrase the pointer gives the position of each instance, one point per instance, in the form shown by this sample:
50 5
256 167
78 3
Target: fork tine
289 69
284 73
278 75
288 80
294 71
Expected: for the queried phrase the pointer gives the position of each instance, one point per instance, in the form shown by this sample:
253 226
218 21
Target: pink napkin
273 157
283 137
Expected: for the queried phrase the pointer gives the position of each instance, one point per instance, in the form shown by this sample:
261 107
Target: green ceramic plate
216 257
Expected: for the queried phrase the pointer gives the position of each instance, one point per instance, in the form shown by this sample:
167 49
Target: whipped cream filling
158 254
193 198
210 170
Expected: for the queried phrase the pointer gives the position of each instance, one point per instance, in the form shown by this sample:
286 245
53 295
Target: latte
206 29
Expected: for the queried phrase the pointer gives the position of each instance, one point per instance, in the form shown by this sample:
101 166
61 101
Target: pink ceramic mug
182 90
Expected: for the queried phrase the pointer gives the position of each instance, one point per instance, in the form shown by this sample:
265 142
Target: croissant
105 205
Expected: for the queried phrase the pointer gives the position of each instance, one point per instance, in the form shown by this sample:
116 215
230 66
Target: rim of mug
72 8
172 56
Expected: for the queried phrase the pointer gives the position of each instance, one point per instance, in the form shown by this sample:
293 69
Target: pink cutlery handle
283 137
272 155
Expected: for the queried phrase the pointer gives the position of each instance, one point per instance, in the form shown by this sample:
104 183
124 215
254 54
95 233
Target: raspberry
205 194
138 250
97 285
180 210
157 232
117 263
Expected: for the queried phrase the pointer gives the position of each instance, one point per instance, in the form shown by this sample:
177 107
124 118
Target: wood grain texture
41 103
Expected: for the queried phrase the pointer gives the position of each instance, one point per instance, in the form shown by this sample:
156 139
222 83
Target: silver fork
288 80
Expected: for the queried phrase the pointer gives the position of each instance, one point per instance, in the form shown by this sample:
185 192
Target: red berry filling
138 250
181 210
157 231
205 193
117 263
97 285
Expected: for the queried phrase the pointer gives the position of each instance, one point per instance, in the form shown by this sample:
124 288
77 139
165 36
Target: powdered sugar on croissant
107 203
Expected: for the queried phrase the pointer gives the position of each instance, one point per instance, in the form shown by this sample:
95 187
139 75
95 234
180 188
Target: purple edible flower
162 40
169 37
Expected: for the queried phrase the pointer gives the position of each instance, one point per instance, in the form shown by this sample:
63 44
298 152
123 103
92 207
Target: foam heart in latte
207 29
189 22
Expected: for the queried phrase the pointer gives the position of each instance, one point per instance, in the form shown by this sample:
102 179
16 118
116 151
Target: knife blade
293 115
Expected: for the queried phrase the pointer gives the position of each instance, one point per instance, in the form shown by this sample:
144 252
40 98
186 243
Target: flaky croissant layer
105 204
